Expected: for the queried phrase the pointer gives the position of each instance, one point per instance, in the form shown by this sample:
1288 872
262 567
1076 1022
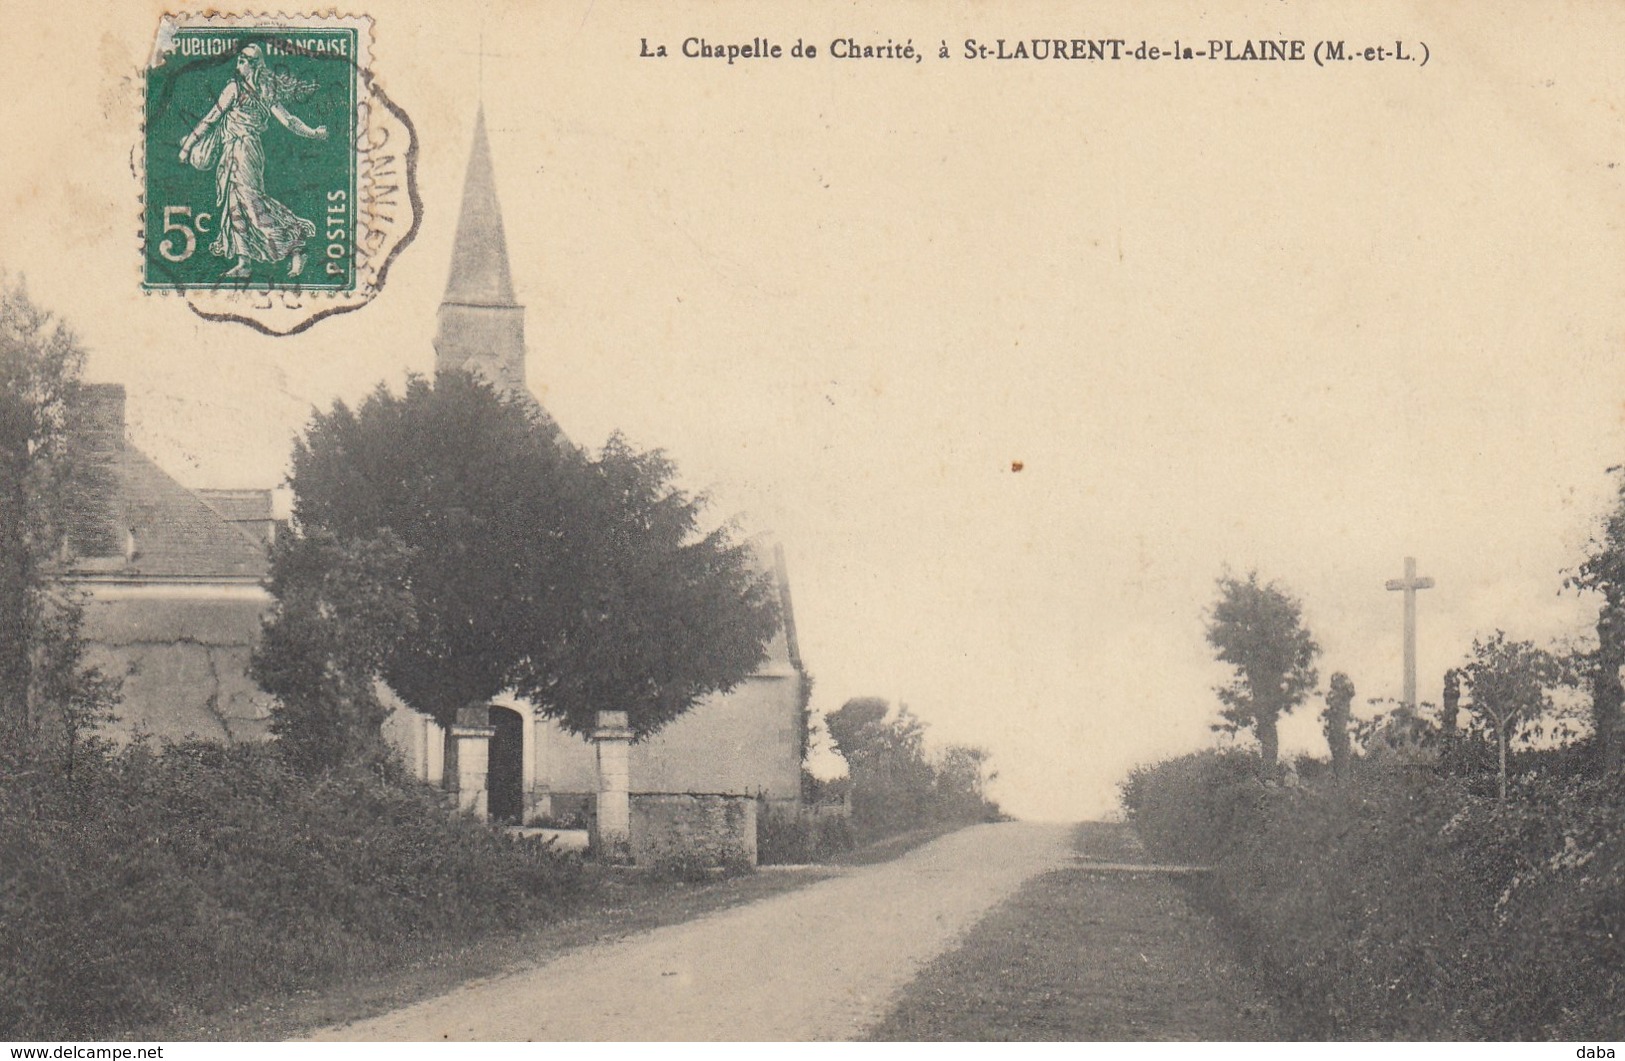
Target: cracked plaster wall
184 667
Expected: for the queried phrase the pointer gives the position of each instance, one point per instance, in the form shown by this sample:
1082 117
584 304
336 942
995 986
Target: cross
1410 584
480 55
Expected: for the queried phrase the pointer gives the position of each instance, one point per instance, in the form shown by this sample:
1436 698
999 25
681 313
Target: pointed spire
481 326
479 257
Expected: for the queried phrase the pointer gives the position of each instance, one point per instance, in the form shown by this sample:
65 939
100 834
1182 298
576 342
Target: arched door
504 778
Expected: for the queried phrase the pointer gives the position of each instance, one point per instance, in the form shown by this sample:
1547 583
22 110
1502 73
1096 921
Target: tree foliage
660 614
1257 628
49 491
475 492
895 785
1603 572
962 777
1509 684
852 727
340 609
1339 699
483 554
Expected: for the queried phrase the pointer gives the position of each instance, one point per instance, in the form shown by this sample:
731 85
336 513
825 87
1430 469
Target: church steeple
481 327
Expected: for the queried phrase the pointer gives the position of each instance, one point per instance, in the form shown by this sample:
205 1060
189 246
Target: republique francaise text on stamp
278 179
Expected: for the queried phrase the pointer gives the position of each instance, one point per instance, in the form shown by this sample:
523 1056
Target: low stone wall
693 829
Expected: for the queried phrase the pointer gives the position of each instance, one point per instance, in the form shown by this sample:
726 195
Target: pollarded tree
1339 699
854 727
1510 684
893 783
1257 628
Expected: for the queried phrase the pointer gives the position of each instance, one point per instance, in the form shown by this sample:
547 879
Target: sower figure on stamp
253 226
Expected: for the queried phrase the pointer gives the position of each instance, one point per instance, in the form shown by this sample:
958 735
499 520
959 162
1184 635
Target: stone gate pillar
468 758
612 825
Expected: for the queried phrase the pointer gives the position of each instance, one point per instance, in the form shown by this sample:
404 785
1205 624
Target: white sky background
1260 315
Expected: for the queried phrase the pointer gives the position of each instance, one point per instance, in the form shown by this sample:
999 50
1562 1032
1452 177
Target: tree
1603 573
1339 697
962 778
340 609
580 583
50 490
1258 629
893 784
660 614
1510 684
852 726
1450 711
475 491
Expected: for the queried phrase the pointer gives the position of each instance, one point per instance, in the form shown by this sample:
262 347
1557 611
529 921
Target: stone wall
693 829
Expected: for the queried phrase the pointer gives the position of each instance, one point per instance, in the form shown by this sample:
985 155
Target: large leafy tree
50 483
582 583
656 613
1257 628
477 493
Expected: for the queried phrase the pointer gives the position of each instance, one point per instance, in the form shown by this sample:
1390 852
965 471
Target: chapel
175 593
747 742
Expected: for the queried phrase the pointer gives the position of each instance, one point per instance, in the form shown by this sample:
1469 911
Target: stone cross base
612 825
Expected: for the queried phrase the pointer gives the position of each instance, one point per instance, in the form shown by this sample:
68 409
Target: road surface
820 963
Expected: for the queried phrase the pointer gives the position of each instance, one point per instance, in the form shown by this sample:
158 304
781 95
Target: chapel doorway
505 773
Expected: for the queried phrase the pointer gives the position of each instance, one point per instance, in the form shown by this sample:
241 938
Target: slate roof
479 256
176 535
239 506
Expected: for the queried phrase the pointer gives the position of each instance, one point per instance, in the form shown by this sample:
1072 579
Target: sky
1225 316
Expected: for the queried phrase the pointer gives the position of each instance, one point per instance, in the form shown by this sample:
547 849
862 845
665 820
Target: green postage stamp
278 179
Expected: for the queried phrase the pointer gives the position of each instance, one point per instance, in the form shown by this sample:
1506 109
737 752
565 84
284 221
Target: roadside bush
783 838
1405 903
202 876
1192 807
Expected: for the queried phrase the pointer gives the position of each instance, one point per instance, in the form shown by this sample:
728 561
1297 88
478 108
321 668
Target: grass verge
1076 955
614 904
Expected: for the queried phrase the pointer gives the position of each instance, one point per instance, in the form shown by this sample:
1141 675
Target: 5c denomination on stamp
278 178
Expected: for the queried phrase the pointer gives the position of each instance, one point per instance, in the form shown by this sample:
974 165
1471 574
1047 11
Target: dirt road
822 962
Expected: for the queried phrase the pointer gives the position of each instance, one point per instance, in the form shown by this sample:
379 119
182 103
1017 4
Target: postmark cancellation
278 180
